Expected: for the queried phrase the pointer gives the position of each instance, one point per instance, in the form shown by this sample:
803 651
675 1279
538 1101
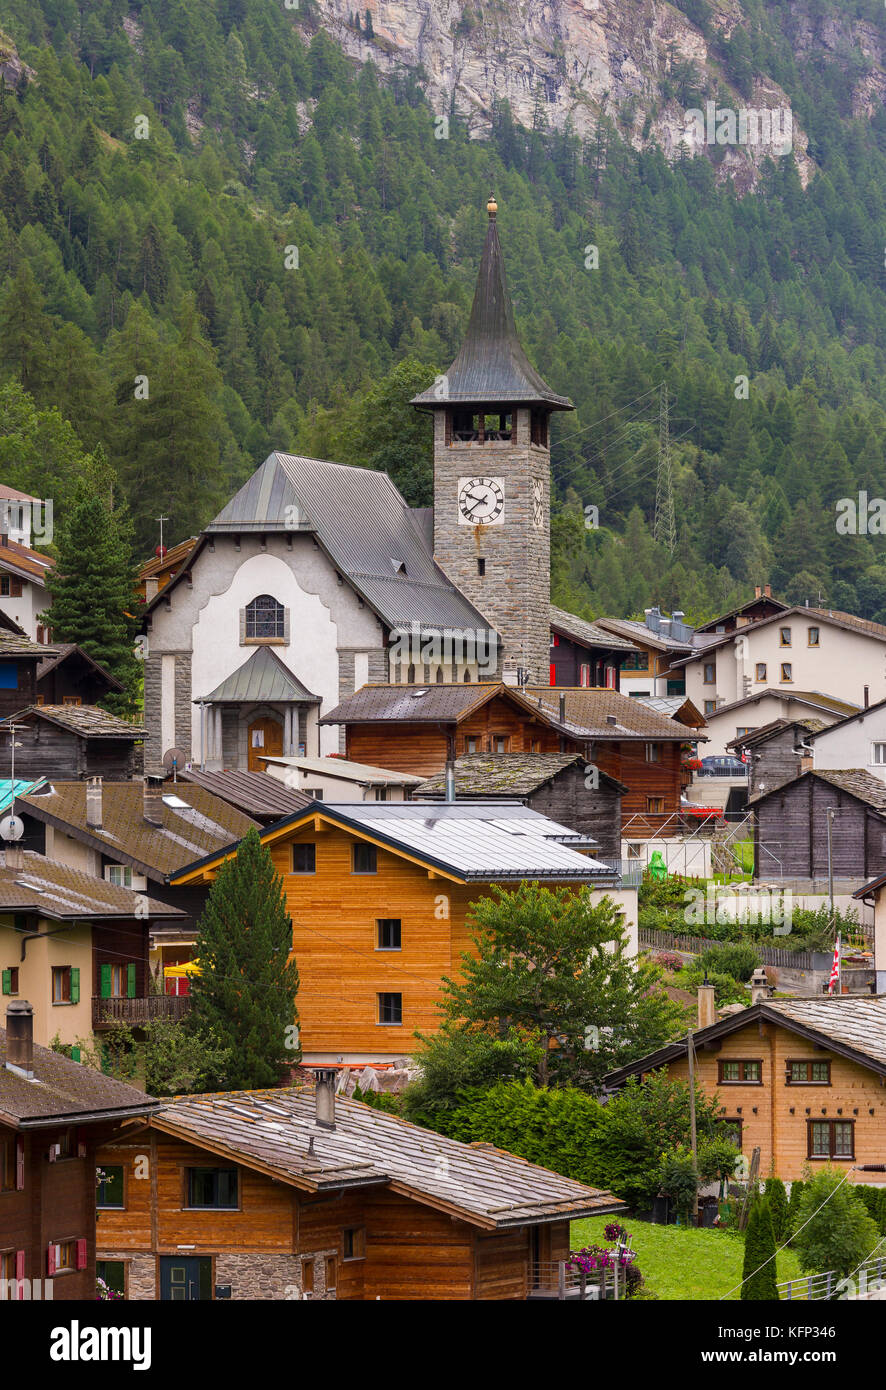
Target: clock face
538 503
481 501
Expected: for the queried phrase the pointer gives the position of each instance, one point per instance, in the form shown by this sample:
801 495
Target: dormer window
264 620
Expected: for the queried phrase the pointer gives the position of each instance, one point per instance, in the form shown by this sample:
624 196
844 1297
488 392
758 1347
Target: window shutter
51 1259
105 986
130 980
20 1270
7 981
242 626
81 1254
20 1163
285 624
75 984
75 1054
81 1143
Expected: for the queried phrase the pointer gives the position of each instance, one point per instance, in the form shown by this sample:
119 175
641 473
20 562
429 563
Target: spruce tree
794 1204
758 1274
244 996
778 1209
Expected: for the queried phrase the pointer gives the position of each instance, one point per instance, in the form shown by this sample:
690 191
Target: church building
317 578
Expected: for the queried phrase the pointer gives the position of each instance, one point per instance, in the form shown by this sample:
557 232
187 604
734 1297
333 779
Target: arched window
265 617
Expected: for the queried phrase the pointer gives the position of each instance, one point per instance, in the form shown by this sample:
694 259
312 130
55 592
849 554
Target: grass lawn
681 1262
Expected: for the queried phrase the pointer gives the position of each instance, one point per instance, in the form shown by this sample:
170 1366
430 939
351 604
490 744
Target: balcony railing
557 1279
138 1012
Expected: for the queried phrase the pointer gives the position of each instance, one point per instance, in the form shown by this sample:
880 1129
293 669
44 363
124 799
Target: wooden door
264 738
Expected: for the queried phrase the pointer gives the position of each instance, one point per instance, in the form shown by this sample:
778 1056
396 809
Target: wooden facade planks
790 833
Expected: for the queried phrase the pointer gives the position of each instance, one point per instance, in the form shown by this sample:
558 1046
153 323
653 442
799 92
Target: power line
664 528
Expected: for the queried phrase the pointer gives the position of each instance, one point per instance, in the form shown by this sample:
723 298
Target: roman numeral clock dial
481 501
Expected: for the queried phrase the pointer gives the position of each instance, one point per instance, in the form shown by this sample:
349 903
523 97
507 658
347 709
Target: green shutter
105 985
75 984
130 980
75 1054
7 981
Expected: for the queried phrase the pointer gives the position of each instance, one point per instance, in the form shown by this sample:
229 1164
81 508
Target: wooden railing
694 945
557 1279
138 1012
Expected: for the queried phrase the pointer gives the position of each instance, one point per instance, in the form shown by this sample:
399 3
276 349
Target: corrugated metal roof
491 365
66 1088
485 1185
364 524
262 677
253 793
21 787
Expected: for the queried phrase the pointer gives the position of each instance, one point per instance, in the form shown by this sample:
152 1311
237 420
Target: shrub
838 1236
669 960
679 1180
759 1273
727 989
739 959
779 1209
794 1204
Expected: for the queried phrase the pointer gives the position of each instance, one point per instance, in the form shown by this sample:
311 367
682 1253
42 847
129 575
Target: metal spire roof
263 676
491 366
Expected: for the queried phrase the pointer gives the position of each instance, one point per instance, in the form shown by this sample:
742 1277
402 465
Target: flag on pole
835 967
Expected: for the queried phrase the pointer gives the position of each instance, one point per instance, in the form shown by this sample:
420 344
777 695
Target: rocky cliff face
575 60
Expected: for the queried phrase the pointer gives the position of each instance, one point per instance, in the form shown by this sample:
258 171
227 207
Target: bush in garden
669 960
779 1209
873 1199
759 1273
794 1203
837 1236
679 1180
739 959
727 989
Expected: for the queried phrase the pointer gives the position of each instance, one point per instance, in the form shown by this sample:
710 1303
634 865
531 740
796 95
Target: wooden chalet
791 826
20 660
554 784
584 654
23 578
755 610
290 1194
76 946
776 753
54 1115
74 742
69 676
380 897
802 1079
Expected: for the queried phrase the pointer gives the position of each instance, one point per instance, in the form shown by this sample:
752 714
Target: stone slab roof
64 1090
60 893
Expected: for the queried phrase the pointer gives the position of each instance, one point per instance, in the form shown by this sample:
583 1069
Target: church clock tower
492 474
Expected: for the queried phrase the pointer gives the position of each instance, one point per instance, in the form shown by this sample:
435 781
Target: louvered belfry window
265 617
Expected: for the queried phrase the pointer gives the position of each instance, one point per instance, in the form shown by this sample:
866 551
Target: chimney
153 801
767 590
151 589
653 618
94 803
324 1098
562 709
760 988
450 781
758 592
20 1037
664 627
707 1011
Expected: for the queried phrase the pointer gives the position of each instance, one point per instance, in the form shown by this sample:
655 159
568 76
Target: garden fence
694 945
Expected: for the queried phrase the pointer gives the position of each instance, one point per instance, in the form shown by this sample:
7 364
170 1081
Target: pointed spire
491 366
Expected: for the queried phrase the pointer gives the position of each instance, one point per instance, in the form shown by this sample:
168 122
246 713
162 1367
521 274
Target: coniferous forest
219 236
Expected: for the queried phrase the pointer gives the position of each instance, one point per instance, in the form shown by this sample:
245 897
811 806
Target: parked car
723 765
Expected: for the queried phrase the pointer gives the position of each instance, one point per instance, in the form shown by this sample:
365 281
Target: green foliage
797 1187
456 1060
838 1233
678 1180
551 964
759 1273
178 1060
726 989
779 1209
244 995
739 960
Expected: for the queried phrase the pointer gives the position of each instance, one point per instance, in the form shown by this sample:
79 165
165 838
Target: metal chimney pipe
20 1037
562 709
867 696
94 803
324 1098
450 781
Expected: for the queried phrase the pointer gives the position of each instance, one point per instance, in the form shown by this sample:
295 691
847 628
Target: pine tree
778 1209
759 1274
244 996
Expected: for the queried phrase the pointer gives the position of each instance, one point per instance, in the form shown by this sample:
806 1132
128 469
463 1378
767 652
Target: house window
498 743
65 1256
109 1186
389 933
315 793
637 661
481 566
808 1073
10 980
364 859
655 805
304 859
830 1139
353 1243
307 1276
471 743
71 700
732 1129
710 673
813 637
653 752
7 1165
65 984
745 729
784 636
787 671
10 587
390 1008
212 1188
760 671
739 1073
878 753
265 618
710 706
117 980
381 793
112 1273
119 874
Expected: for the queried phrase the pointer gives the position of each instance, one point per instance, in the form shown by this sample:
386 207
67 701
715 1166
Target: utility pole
664 527
831 812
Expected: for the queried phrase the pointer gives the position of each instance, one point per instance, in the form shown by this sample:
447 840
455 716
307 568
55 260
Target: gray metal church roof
491 365
262 676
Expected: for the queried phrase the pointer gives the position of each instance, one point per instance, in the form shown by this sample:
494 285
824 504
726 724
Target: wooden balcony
557 1279
137 1012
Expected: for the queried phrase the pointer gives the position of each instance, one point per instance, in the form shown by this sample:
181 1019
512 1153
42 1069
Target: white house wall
850 745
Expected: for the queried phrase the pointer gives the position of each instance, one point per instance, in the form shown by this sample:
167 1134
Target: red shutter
81 1254
50 1259
19 1163
20 1272
81 1143
51 1155
553 674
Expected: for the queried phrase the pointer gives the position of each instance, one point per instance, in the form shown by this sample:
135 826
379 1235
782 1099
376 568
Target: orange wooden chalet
290 1194
380 893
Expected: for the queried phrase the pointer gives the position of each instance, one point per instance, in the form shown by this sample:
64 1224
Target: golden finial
492 205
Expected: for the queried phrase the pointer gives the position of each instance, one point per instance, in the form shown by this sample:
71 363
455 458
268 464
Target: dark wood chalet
20 659
297 1193
558 785
584 654
54 1115
775 753
791 826
71 677
760 607
73 742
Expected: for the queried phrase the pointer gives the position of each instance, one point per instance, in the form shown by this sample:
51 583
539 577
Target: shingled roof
65 651
64 1090
194 823
490 365
588 634
492 775
89 721
276 1133
857 781
590 709
60 893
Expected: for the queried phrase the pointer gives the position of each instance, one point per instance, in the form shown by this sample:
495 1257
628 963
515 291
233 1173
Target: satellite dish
173 758
12 827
